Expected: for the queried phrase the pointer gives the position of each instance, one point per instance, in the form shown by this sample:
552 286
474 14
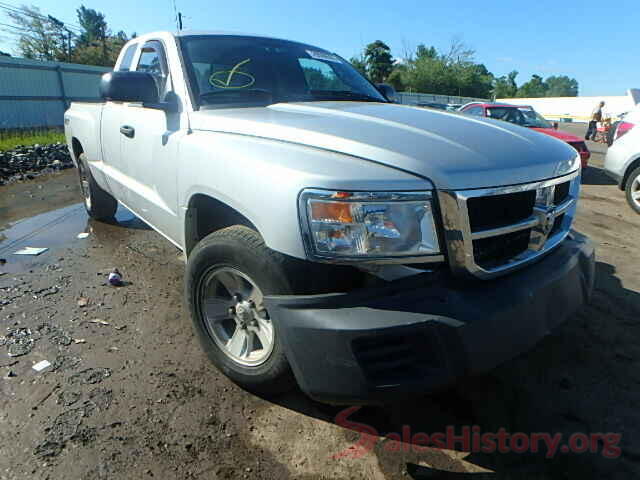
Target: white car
623 157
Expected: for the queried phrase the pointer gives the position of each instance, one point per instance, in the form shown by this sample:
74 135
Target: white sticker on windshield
327 57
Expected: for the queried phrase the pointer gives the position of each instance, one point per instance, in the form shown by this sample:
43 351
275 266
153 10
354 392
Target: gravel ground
130 394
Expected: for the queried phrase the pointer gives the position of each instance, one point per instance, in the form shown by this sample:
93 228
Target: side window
474 111
153 60
125 64
320 76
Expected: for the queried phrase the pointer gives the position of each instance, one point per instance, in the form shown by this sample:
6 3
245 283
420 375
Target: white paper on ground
82 235
41 365
31 251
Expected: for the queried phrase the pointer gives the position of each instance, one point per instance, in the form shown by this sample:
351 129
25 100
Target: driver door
150 148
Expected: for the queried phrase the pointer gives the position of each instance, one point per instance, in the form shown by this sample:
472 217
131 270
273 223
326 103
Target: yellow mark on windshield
239 79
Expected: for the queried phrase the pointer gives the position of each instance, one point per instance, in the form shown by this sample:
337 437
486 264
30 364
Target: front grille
492 252
561 193
495 230
499 210
557 225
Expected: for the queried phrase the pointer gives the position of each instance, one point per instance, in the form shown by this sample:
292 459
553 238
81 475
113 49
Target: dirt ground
130 394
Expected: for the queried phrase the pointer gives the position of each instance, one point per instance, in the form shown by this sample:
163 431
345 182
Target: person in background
596 116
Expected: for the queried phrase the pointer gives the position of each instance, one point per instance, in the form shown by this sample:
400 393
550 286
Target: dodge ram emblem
547 220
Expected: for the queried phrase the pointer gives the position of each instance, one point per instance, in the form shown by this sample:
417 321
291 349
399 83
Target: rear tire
98 203
632 190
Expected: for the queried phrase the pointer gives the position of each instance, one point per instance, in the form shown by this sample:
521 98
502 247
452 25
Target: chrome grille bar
459 237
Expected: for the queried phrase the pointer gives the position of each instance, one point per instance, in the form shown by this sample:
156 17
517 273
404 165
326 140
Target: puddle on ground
53 230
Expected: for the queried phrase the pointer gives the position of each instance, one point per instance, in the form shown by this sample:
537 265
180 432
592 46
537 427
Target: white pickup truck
365 249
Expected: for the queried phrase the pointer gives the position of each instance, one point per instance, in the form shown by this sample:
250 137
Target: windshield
526 117
534 119
237 71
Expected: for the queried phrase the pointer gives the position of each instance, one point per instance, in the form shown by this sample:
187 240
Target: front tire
228 274
98 203
632 190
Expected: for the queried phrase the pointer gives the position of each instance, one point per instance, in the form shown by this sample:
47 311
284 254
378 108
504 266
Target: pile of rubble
25 162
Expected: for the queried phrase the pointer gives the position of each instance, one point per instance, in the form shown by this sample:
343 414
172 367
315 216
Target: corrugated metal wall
36 94
415 98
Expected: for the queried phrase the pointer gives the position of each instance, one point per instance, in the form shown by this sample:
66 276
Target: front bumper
421 333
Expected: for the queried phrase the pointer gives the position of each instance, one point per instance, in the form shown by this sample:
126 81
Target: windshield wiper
340 94
238 92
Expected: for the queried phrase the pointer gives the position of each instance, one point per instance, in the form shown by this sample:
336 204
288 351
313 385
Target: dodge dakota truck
363 249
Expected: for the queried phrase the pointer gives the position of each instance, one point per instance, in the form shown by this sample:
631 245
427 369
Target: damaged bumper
420 334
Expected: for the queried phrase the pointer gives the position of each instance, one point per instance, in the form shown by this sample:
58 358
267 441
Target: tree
38 37
96 45
379 62
562 86
505 86
450 73
359 64
395 78
536 87
4 54
93 24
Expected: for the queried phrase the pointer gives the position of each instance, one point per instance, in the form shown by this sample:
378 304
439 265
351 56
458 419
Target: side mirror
387 92
135 87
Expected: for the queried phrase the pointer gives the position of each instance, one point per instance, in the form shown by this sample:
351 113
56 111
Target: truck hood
453 151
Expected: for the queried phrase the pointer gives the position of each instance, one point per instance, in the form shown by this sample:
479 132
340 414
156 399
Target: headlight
368 225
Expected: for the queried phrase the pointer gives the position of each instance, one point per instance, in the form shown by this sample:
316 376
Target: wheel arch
76 149
206 214
635 163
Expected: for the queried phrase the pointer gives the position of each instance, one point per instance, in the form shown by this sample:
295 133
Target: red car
527 117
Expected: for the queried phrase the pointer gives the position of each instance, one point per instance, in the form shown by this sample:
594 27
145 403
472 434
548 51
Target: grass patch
12 138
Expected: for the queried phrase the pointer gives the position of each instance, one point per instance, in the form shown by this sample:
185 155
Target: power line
12 9
21 33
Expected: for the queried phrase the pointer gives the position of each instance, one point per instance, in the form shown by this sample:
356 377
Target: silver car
623 157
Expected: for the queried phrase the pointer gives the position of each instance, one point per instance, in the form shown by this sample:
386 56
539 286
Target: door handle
127 131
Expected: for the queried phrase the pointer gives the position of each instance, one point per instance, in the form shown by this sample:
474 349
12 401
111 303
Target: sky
597 43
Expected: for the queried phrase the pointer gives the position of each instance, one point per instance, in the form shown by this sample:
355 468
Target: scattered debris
83 302
60 338
25 162
48 449
20 346
31 251
82 235
85 435
11 374
115 278
99 398
67 398
90 376
120 327
65 425
46 291
38 367
100 321
79 340
64 362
